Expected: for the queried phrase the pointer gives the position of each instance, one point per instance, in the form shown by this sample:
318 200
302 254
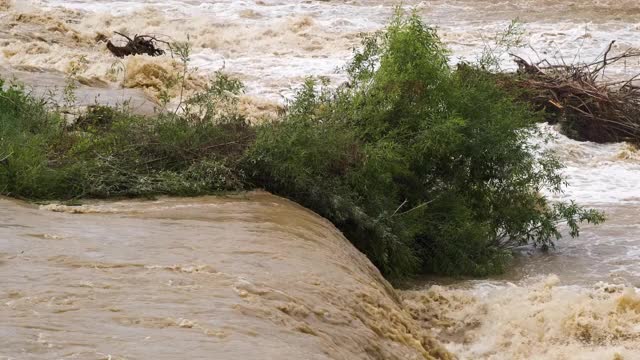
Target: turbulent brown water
252 277
258 277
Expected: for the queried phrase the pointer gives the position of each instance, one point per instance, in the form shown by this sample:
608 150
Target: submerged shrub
422 166
28 134
109 152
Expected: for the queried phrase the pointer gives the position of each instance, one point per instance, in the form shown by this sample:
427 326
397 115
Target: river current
258 277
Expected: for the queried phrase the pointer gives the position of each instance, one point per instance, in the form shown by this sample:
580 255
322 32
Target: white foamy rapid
532 320
576 302
597 173
273 44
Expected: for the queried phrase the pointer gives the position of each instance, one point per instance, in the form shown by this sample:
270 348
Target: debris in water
139 45
582 99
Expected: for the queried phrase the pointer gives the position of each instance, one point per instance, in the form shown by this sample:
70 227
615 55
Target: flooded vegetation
399 153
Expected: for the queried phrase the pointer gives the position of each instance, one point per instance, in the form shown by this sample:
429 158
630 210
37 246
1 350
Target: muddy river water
257 277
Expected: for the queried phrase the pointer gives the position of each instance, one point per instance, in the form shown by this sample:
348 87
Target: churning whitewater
259 277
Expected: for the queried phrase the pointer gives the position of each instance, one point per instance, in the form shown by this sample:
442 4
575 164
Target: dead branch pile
582 100
139 45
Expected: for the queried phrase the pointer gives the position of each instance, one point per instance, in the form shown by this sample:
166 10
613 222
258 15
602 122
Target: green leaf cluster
108 152
423 166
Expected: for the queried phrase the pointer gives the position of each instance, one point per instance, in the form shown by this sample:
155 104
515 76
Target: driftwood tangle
139 45
579 97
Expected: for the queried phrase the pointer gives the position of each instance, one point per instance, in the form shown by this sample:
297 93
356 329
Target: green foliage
423 167
418 164
500 45
76 67
27 134
183 51
108 152
219 98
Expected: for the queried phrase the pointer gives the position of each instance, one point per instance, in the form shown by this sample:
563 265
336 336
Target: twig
399 207
416 208
124 36
4 159
604 63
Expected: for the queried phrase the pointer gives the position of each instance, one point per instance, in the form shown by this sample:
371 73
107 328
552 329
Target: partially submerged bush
423 167
29 133
419 164
109 152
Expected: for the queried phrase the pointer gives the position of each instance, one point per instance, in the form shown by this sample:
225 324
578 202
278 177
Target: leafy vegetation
109 152
424 167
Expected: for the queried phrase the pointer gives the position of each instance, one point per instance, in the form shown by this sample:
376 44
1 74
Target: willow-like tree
423 166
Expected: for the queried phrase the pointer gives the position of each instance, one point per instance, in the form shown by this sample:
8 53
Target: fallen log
139 45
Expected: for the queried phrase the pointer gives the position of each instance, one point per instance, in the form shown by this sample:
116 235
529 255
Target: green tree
422 166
